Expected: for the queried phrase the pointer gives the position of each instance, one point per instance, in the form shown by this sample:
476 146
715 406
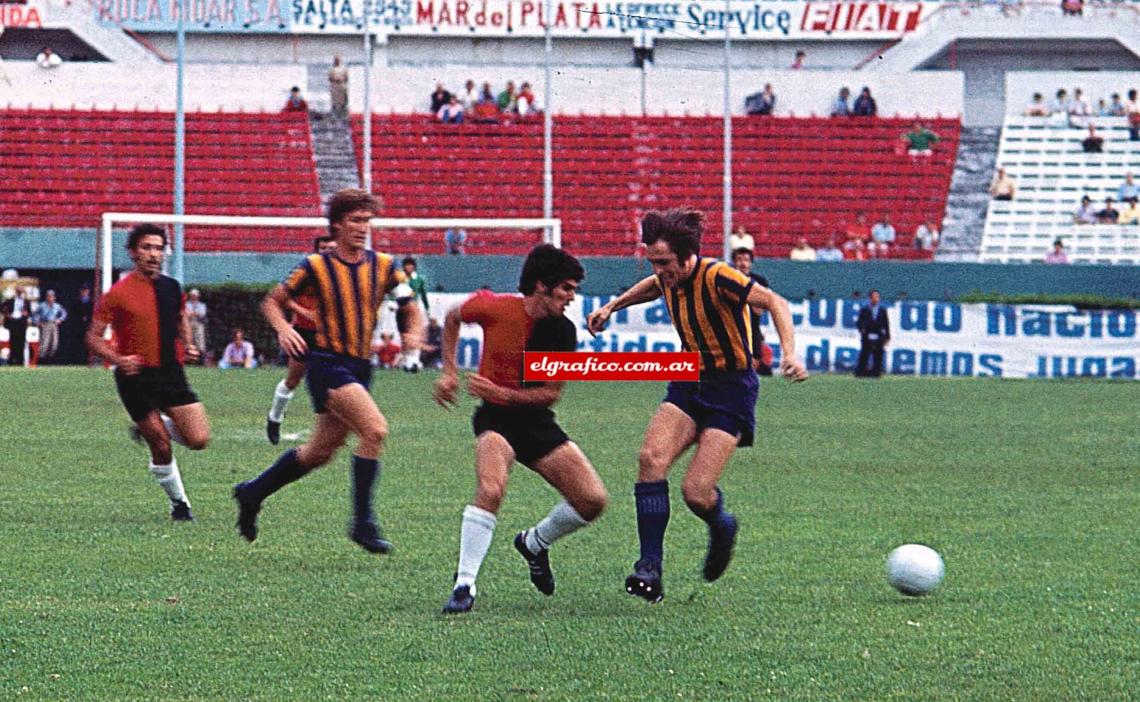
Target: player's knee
700 495
651 464
489 494
197 442
591 505
375 434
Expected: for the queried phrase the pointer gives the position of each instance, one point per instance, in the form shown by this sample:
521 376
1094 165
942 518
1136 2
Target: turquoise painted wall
75 249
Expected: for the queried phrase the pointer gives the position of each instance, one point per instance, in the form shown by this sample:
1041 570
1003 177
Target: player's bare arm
761 298
414 338
300 311
544 396
273 308
447 385
645 290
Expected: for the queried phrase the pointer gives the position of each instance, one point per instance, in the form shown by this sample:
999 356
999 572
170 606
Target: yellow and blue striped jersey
710 312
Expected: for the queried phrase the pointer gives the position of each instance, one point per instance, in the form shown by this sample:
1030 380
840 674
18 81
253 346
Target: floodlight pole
548 120
727 131
178 259
366 127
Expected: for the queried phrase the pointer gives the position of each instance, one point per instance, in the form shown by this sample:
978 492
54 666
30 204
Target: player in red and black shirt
515 421
145 311
305 312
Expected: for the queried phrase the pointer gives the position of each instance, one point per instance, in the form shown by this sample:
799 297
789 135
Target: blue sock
364 472
284 471
717 517
652 517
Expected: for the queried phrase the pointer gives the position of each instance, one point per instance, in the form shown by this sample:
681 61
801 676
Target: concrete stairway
969 194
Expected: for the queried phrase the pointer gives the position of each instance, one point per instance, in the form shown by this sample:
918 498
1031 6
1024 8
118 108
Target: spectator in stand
439 98
1058 255
802 251
508 99
1037 107
882 237
48 58
1128 189
1131 214
196 317
1073 8
1093 143
295 103
1102 108
1079 109
338 87
454 241
741 239
761 103
452 112
525 101
829 252
1109 215
79 318
865 104
50 316
926 236
1116 107
1060 105
1086 213
238 354
854 250
470 96
386 350
1002 187
859 229
800 59
920 141
486 108
841 107
1132 110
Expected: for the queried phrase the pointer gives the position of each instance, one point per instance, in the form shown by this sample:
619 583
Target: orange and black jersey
146 317
711 315
348 297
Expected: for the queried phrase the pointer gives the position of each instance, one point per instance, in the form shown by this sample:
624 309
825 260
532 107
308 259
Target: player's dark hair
407 260
351 200
551 265
320 240
743 250
142 230
680 228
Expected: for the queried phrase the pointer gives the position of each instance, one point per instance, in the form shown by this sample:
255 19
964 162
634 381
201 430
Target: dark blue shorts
326 371
726 402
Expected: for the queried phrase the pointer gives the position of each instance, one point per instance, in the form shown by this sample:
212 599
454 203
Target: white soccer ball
914 569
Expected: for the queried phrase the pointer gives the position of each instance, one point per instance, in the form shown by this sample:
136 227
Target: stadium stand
64 168
793 176
1052 173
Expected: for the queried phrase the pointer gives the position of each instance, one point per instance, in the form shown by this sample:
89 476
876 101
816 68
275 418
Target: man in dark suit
16 311
875 332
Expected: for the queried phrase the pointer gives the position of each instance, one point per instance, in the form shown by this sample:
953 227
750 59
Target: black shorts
154 389
531 432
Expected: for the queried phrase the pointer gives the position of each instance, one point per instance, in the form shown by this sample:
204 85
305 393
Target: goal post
551 230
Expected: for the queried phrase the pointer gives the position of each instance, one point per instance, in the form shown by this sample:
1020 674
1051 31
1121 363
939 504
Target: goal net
236 259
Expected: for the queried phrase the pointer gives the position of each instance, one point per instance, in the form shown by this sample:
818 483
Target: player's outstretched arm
447 385
645 290
542 396
273 308
761 298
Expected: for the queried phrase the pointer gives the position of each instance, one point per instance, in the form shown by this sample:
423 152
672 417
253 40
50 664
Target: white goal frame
552 228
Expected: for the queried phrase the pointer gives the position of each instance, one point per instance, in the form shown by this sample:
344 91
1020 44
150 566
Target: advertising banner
927 338
697 19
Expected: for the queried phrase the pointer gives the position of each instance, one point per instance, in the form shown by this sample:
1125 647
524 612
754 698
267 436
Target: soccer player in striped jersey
304 310
349 285
146 311
515 422
708 302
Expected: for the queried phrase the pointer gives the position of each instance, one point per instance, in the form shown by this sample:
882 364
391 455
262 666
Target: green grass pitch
1030 490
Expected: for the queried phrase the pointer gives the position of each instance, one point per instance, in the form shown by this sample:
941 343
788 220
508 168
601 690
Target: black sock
364 472
652 500
284 471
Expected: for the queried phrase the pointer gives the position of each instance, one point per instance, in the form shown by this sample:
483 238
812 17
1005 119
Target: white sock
175 435
474 540
170 480
562 520
281 398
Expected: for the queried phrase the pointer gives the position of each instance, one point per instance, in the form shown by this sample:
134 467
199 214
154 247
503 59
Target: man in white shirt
882 237
238 353
802 251
48 58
